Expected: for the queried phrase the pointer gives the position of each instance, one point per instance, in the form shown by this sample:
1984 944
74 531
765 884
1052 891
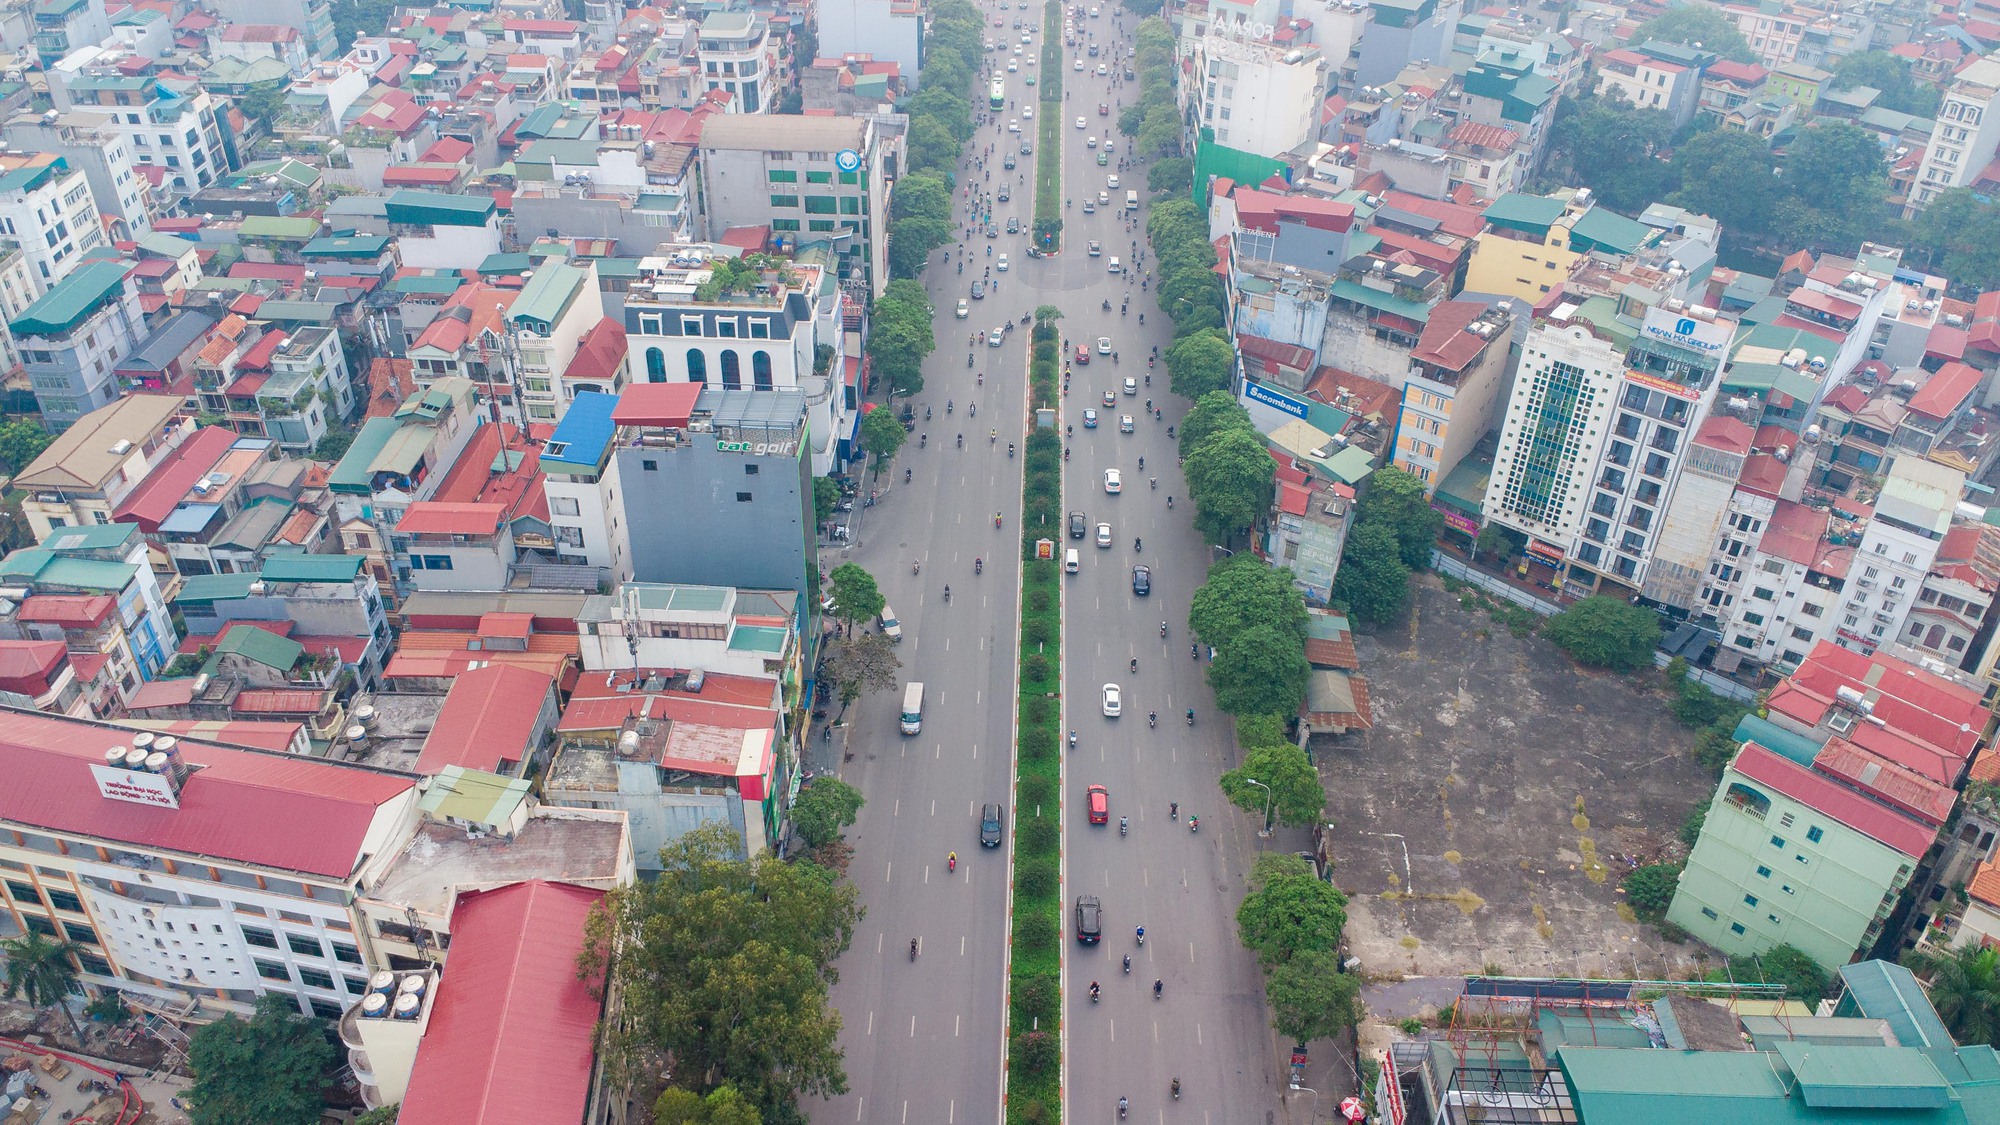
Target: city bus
997 97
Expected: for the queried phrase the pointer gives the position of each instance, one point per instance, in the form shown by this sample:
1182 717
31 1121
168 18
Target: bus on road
997 97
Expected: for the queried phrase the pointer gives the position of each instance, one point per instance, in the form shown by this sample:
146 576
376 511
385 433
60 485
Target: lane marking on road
906 1112
861 1107
888 872
1111 1030
913 1026
871 1023
955 1021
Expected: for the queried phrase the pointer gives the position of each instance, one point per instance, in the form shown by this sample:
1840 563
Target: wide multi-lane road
924 1039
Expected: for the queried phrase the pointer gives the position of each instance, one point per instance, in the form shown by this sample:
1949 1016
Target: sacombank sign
1257 392
1686 331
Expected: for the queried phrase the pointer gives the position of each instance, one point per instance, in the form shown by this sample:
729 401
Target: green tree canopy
1964 987
1606 632
41 970
1835 187
856 597
1213 412
1290 914
823 809
1372 581
1959 235
21 443
1243 593
1804 978
1296 798
1175 173
861 663
266 1070
1232 481
726 971
1262 671
1603 143
1893 75
1201 363
826 497
1727 175
1649 890
1691 24
1395 499
1311 998
722 1106
882 435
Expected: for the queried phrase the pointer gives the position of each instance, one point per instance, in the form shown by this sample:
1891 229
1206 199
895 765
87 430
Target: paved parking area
1487 817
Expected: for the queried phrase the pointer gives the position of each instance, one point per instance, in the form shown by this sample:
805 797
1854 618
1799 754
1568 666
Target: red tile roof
278 701
162 693
1263 356
511 1039
1942 718
1763 473
167 485
726 701
1445 341
1264 210
1825 303
1893 784
600 354
1848 398
1483 136
71 611
237 805
1720 431
1946 342
449 663
1742 74
29 667
1946 390
1831 798
1794 532
261 734
431 517
488 719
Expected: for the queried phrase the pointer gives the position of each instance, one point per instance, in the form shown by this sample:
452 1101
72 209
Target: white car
1104 535
1102 70
1012 66
1081 123
1113 483
1028 114
1109 181
1077 67
1090 142
1124 423
1013 126
1131 386
1000 263
1017 50
1096 248
1114 701
995 338
1104 347
1111 145
964 308
1103 197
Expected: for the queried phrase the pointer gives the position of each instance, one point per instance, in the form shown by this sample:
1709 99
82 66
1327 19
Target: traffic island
1034 1014
1048 163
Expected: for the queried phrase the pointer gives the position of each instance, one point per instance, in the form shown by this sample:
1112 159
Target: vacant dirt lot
1488 816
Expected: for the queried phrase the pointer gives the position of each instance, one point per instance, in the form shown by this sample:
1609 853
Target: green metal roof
436 208
261 645
1796 747
348 246
43 566
432 286
1852 1077
1382 302
1352 464
355 471
1520 211
1601 228
503 264
72 300
307 312
272 226
91 537
542 300
474 795
1884 990
312 568
202 588
30 176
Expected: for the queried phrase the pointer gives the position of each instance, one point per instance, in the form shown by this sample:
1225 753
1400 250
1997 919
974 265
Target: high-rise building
48 208
738 58
72 337
1964 136
1911 517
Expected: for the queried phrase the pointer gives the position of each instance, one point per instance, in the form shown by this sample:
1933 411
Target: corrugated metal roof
73 299
312 568
488 718
511 1034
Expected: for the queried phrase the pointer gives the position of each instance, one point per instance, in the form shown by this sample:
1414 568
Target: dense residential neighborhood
477 630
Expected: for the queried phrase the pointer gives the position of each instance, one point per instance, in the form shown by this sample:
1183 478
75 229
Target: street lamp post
1264 832
1314 1115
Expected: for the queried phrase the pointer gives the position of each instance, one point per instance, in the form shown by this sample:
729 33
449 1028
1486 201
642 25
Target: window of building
760 370
272 970
1749 900
22 892
565 506
732 371
80 933
325 1009
697 367
1815 834
649 465
64 900
1763 871
743 498
1735 927
1777 841
656 365
257 936
317 978
784 201
305 944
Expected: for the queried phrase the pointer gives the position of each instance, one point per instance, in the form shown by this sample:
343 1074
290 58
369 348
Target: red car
1100 804
1082 354
1103 109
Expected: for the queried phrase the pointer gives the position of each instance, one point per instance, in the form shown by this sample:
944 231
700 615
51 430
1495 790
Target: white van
1114 267
891 628
1071 561
1131 201
913 708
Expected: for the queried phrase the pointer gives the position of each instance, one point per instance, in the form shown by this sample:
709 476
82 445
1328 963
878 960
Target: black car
1009 162
993 230
989 826
978 290
1026 148
1142 580
1089 919
1076 529
1003 195
1013 224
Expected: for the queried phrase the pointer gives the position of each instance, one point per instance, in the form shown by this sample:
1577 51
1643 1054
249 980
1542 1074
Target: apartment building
1401 31
1659 76
169 123
106 560
889 31
1773 35
549 319
1912 514
62 26
1259 86
47 207
397 460
72 337
738 58
1532 243
1460 371
313 19
1964 136
806 179
1827 812
93 465
764 336
581 485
